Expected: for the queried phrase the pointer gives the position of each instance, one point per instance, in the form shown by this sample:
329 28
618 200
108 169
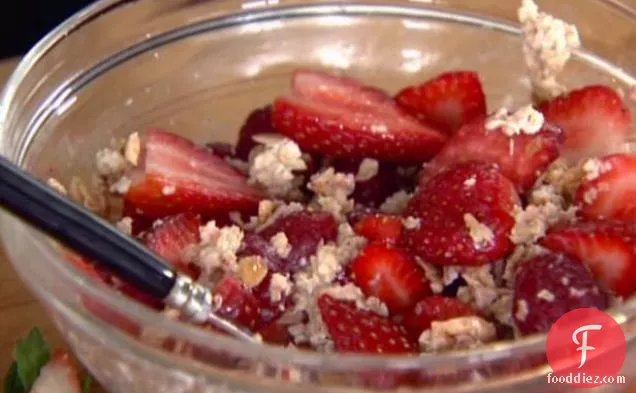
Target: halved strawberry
238 304
380 228
466 214
391 275
176 176
355 330
607 247
612 193
594 119
342 118
521 157
435 308
172 236
445 102
343 91
59 375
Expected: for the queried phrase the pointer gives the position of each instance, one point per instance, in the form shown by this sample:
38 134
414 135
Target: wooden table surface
19 311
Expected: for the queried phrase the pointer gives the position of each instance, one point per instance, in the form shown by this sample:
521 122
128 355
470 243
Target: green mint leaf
12 382
31 354
87 383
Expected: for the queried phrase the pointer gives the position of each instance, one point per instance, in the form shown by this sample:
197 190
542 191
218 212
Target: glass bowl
198 68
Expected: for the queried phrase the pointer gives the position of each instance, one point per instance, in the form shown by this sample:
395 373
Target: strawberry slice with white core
341 91
594 119
58 376
171 236
445 102
391 275
340 132
521 157
362 331
176 176
609 191
608 248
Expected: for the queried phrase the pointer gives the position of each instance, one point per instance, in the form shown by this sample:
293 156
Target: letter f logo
583 343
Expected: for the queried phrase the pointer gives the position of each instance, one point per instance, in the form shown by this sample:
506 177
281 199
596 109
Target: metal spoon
79 229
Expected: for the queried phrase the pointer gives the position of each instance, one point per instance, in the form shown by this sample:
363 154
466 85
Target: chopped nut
133 149
522 310
252 270
457 333
110 163
274 166
281 244
482 235
470 182
80 193
56 185
396 203
367 170
526 120
411 223
279 286
546 295
125 225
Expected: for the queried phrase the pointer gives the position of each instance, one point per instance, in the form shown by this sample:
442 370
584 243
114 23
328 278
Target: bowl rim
138 313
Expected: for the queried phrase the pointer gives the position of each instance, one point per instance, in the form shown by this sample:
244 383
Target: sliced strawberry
445 102
176 176
521 157
257 122
60 375
391 275
435 308
238 303
594 119
342 91
612 193
608 248
466 214
355 330
380 228
342 118
172 236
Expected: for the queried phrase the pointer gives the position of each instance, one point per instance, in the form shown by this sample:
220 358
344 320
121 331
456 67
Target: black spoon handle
77 228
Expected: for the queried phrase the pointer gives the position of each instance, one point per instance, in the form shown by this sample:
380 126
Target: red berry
465 216
305 231
340 117
521 158
391 275
175 176
380 228
594 119
434 308
355 330
445 102
549 286
611 194
238 304
172 236
608 248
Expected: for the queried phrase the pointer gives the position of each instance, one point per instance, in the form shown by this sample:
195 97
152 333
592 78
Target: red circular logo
585 348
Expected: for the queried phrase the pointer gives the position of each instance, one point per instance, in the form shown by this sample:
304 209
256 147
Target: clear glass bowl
198 68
